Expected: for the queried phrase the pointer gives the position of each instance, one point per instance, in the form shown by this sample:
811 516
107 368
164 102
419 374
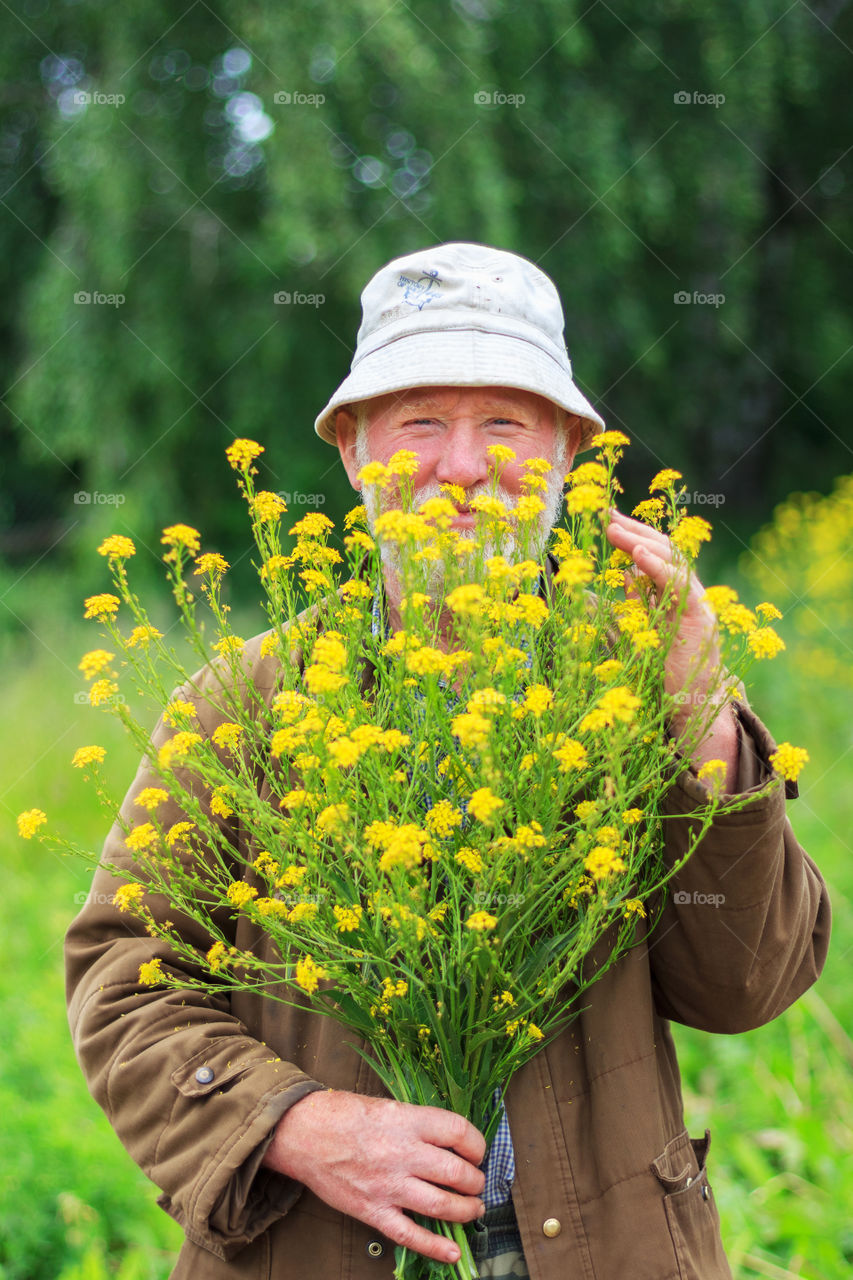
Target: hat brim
460 358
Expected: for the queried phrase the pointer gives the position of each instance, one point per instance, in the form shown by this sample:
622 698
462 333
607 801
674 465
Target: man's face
450 429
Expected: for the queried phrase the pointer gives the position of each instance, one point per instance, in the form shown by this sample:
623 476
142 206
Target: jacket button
375 1249
706 1192
552 1227
204 1075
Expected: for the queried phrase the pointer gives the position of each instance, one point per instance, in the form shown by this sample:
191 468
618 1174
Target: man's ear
574 426
346 429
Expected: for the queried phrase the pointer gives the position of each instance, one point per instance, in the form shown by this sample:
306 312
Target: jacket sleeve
745 927
199 1134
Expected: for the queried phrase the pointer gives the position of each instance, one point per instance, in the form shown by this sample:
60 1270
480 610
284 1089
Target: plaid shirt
499 1162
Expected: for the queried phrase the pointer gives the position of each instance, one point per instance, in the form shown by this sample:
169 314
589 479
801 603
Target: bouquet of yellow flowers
454 841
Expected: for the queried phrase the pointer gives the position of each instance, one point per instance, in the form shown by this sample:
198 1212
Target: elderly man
272 1142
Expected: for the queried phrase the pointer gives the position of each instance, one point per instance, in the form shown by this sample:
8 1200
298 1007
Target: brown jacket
609 1185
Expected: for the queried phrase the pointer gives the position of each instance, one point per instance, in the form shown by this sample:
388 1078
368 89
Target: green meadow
779 1100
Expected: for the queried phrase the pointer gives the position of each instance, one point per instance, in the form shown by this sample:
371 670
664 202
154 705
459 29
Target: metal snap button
376 1249
552 1227
204 1075
706 1192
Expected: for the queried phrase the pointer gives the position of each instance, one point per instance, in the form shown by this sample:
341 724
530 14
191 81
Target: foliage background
198 199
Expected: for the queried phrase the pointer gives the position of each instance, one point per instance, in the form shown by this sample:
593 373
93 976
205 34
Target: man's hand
693 661
372 1158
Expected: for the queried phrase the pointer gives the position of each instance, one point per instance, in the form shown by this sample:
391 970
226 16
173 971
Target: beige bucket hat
461 315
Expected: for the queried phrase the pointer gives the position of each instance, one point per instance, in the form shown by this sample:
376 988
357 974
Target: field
779 1101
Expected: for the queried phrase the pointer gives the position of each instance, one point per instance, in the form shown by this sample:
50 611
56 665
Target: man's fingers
402 1230
449 1129
446 1169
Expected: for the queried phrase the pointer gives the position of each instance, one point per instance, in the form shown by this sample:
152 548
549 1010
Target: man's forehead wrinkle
441 404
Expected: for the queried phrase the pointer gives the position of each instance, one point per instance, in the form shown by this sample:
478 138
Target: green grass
779 1100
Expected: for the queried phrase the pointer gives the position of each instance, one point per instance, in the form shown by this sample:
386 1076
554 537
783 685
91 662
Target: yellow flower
538 699
719 597
602 861
355 589
768 611
736 618
611 440
405 462
303 912
714 771
272 907
181 537
269 644
689 533
229 645
632 816
375 473
481 922
219 801
211 562
442 819
664 479
586 809
241 453
239 893
87 755
227 736
528 507
177 831
501 453
571 755
616 704
650 511
472 730
128 896
101 607
180 744
332 820
348 918
608 669
150 797
467 599
491 507
142 636
646 638
585 498
789 761
588 473
356 515
29 822
117 547
483 804
151 973
533 1032
308 974
102 691
426 661
575 569
470 859
505 1000
215 956
267 506
179 709
292 877
314 525
94 661
141 837
633 906
764 642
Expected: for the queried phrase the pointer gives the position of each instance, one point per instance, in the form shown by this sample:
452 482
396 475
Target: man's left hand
692 670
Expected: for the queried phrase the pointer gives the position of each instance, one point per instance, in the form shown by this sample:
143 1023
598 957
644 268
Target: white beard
376 501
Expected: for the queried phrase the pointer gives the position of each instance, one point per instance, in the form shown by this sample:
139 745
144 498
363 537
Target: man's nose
463 459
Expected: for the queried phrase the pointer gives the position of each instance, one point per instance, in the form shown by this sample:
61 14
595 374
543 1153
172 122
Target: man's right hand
374 1158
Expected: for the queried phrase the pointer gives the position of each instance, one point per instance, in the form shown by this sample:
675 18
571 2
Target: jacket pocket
691 1212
